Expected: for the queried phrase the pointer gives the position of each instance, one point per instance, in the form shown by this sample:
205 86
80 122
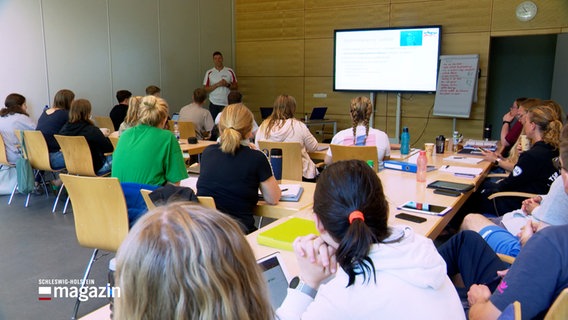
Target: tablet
276 277
461 187
426 208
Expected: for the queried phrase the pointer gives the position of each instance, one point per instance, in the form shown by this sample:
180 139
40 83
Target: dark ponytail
345 187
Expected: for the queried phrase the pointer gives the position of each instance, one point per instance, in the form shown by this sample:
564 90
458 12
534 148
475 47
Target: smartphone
409 217
420 207
445 192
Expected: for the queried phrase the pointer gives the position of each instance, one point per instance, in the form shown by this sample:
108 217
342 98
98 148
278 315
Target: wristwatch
301 286
496 162
507 122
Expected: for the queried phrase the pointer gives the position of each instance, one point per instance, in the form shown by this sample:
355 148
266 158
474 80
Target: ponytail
234 125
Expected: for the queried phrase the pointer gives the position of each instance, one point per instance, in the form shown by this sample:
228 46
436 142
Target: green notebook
282 235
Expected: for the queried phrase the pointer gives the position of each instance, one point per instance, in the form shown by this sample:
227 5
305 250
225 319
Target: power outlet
320 95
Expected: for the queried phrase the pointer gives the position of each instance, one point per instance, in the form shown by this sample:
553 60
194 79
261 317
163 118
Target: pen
285 189
458 157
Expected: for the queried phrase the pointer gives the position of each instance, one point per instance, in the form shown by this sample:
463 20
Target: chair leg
57 199
65 207
44 185
12 195
87 271
28 200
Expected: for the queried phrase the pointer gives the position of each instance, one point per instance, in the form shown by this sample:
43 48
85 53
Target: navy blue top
50 124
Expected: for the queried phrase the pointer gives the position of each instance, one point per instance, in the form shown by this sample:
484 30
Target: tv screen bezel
335 32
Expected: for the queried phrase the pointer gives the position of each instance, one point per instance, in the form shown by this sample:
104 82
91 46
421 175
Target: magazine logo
49 289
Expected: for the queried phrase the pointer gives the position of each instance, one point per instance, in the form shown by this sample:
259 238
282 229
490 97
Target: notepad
283 235
460 159
461 170
291 192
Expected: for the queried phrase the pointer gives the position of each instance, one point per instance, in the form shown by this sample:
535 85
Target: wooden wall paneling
270 25
318 57
471 129
551 14
267 5
321 22
314 4
270 58
337 102
454 15
261 91
468 43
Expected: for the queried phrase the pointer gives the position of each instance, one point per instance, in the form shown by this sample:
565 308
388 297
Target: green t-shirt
148 155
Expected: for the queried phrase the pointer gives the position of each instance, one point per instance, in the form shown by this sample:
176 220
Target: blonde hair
133 107
153 111
283 108
234 125
360 110
183 261
547 123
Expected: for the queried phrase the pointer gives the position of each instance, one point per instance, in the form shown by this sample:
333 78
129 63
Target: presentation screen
387 59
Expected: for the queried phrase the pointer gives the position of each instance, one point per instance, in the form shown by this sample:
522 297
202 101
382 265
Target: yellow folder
282 235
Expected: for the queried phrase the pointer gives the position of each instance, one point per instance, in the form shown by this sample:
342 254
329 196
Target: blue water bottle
276 163
405 141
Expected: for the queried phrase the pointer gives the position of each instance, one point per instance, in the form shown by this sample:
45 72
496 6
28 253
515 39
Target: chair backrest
114 141
559 309
104 122
291 158
3 155
36 149
207 202
339 152
511 312
99 211
146 195
77 155
186 129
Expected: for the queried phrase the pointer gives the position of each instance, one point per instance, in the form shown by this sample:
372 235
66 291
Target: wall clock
526 10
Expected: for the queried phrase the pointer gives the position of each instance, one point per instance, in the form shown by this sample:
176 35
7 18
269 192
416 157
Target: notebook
276 276
290 192
282 235
318 113
265 112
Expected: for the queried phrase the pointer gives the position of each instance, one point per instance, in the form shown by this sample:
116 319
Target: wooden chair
114 141
146 196
77 155
501 194
38 155
100 214
364 153
291 158
104 122
506 258
4 162
559 309
186 129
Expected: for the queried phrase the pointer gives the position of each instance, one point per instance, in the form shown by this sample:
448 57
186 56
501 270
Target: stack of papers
462 159
290 192
461 171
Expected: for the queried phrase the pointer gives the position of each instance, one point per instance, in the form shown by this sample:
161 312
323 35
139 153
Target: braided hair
361 110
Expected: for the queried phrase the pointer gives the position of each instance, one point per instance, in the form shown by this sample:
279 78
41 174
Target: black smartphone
445 192
409 217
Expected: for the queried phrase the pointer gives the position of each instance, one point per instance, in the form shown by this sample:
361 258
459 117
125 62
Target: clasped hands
316 259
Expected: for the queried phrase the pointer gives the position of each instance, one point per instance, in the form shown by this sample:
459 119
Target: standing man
218 82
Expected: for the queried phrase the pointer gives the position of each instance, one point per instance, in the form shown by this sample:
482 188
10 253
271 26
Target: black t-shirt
233 181
117 115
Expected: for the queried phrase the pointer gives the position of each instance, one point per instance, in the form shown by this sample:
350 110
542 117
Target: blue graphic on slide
411 38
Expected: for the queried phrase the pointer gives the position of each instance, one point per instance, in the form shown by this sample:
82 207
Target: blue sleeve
532 279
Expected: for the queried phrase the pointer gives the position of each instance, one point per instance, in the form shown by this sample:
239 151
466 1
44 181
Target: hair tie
356 215
231 128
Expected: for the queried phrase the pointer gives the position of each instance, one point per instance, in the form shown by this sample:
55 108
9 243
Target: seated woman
231 172
535 214
51 121
534 172
14 117
183 261
361 135
80 125
131 119
148 154
281 126
384 272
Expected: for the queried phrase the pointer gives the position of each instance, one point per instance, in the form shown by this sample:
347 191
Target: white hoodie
411 284
292 130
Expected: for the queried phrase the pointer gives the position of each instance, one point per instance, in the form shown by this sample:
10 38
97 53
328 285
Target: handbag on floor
25 173
8 179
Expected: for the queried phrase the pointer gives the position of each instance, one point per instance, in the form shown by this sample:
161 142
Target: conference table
191 149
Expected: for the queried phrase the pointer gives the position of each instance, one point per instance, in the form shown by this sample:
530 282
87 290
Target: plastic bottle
405 141
305 117
176 130
421 166
455 141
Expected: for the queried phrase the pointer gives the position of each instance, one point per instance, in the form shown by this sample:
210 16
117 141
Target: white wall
98 47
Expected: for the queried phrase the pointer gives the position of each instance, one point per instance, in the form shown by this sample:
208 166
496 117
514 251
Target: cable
425 126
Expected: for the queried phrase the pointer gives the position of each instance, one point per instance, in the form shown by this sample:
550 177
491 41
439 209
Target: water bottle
176 130
405 141
421 166
456 141
276 163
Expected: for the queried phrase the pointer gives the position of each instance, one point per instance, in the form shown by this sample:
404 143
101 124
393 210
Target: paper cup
429 147
525 144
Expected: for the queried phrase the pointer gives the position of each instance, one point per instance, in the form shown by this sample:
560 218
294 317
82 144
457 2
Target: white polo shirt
219 95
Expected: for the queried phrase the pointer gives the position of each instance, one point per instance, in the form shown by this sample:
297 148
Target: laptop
318 113
276 277
265 112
